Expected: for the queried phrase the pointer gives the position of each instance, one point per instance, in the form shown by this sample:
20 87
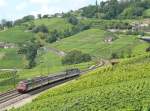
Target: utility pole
48 66
97 9
14 77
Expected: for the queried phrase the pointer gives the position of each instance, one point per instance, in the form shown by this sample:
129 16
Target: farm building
6 45
108 39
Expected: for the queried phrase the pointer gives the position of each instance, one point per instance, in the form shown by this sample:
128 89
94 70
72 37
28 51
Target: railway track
11 97
8 96
16 99
9 92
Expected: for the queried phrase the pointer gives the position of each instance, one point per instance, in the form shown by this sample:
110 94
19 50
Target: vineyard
8 79
104 39
113 88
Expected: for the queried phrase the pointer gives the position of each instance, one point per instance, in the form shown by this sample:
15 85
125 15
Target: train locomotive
31 84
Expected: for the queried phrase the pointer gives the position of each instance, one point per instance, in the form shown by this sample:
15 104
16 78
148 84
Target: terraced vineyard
113 88
93 42
8 78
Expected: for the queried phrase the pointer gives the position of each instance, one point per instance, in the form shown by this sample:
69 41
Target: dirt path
4 30
56 51
10 69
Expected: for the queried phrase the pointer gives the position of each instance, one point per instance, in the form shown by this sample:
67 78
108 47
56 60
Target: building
4 45
108 40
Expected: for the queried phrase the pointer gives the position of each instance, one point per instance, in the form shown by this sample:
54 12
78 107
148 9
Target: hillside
93 42
20 34
47 63
106 34
15 35
54 23
10 59
118 88
147 13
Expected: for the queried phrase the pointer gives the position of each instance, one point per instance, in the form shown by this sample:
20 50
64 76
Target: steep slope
15 35
147 13
119 88
54 23
93 42
20 34
9 59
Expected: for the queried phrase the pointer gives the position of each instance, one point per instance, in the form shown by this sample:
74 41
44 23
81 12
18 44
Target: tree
28 18
148 49
75 57
80 27
53 36
73 20
114 56
24 19
3 22
112 9
39 16
1 27
9 24
31 25
132 12
89 12
97 10
29 49
67 33
41 28
18 22
6 23
45 16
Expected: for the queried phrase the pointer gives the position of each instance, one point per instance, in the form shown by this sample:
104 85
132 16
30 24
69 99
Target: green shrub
41 28
54 35
73 20
75 57
29 49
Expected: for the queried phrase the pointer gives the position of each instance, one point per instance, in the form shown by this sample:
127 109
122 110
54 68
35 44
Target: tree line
116 9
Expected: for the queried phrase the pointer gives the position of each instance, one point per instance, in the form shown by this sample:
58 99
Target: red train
28 85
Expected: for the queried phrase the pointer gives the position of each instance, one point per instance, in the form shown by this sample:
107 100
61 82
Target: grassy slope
54 23
118 88
18 35
10 59
147 13
15 35
51 63
92 42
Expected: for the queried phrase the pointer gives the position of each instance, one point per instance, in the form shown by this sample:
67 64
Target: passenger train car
28 85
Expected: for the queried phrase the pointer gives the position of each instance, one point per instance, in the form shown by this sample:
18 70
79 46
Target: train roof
34 79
